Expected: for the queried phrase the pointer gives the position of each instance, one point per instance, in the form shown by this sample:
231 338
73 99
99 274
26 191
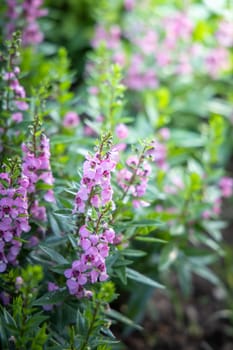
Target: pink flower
217 60
206 214
158 152
38 212
129 4
88 131
13 219
22 105
71 120
93 90
139 203
226 186
95 192
110 37
122 131
224 34
28 11
164 133
49 196
17 117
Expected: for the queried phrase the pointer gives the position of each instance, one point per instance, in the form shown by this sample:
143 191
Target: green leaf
209 242
207 274
121 318
186 139
151 109
35 321
141 223
54 297
219 106
8 318
61 139
146 222
133 253
150 239
121 274
184 276
63 212
214 228
137 276
168 256
81 323
55 256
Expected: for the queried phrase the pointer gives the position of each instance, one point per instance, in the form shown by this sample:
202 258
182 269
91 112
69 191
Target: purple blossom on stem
36 167
134 179
71 120
95 235
226 186
158 153
13 218
96 182
18 103
27 13
164 47
122 131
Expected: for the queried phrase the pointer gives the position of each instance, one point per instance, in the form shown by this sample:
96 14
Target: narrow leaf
137 276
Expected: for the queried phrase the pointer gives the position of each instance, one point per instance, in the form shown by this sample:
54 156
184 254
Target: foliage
112 175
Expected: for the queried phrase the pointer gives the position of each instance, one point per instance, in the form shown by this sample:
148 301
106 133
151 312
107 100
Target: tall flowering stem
14 218
13 95
15 92
36 166
133 179
23 15
94 202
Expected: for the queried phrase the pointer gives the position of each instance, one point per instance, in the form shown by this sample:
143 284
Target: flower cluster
96 182
13 218
164 48
31 12
90 267
121 131
27 13
226 186
71 120
95 235
36 167
18 90
133 180
158 153
111 37
226 191
12 16
224 33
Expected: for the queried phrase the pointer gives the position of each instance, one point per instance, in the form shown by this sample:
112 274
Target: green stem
35 127
133 177
90 329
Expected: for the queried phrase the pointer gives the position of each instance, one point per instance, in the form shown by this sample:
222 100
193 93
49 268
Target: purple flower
134 181
36 167
95 191
226 186
25 14
13 219
224 34
71 119
17 117
122 131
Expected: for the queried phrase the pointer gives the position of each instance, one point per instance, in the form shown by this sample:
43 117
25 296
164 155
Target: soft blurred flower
122 131
71 119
